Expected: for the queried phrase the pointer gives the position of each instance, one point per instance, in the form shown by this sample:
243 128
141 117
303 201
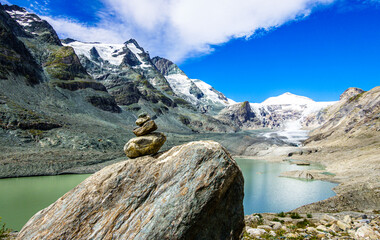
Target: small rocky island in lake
146 141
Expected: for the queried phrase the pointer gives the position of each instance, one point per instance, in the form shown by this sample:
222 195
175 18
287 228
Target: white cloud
5 2
178 29
70 29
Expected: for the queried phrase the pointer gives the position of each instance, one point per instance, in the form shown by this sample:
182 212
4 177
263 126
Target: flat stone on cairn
147 141
146 128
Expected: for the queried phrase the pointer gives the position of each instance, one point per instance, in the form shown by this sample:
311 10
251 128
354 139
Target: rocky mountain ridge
60 113
79 101
356 113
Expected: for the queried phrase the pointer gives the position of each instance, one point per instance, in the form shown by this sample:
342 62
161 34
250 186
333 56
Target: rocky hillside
348 144
139 83
69 107
355 116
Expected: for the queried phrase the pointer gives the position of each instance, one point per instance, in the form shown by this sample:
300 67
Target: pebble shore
344 225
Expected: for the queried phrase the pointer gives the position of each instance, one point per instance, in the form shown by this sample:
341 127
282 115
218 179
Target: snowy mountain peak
32 24
115 54
288 99
193 90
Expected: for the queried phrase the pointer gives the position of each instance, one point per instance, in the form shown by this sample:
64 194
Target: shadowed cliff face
193 191
15 59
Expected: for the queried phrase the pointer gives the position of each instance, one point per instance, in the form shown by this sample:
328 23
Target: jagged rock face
195 91
64 64
15 59
33 24
350 92
38 48
115 62
166 67
193 191
240 115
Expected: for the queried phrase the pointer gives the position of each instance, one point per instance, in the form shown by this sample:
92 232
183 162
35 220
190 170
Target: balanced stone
193 191
143 118
146 128
144 145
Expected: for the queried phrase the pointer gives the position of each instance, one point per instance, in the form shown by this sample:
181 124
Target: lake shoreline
355 171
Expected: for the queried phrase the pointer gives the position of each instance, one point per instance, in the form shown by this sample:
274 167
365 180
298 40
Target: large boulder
144 145
193 191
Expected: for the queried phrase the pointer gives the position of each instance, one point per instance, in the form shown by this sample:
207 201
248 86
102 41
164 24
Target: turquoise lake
264 191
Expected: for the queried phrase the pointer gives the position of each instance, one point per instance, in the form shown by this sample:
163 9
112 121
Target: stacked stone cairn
147 141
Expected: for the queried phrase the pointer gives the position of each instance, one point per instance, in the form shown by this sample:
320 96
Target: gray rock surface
350 92
193 191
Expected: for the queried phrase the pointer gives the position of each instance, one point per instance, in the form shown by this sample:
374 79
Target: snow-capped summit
33 25
193 90
113 53
288 98
111 58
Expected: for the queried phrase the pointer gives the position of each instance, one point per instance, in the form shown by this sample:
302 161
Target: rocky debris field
343 225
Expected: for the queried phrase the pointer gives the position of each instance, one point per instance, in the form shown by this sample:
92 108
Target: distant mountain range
66 101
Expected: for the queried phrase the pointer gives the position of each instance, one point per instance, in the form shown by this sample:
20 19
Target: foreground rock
193 191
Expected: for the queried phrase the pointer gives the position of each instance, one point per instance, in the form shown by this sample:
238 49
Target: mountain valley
68 106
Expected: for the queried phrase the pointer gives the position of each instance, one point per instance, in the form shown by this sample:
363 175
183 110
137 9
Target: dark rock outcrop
33 25
15 59
241 115
193 191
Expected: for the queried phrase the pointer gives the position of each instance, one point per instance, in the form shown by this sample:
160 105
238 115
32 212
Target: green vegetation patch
4 231
304 223
64 64
281 214
295 215
356 97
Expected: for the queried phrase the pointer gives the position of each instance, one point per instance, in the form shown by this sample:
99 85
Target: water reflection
266 192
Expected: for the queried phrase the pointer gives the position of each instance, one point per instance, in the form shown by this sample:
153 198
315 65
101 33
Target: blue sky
315 48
